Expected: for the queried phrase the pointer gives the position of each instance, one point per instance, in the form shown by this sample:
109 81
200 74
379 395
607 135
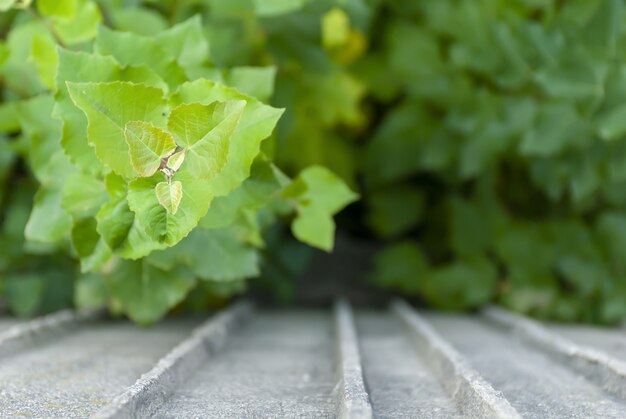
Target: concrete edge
351 396
153 388
596 365
46 324
473 395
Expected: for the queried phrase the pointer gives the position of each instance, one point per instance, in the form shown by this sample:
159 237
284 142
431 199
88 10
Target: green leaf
90 291
97 260
554 130
257 82
186 43
65 9
83 67
169 195
318 194
83 26
17 70
256 124
48 222
148 145
176 160
9 119
335 28
41 132
264 181
83 195
215 255
277 7
44 53
395 210
109 107
461 285
24 294
401 265
145 292
163 225
132 49
314 227
139 20
612 124
206 133
85 237
470 231
8 4
115 219
605 26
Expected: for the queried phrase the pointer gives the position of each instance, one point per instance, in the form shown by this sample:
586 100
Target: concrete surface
396 363
75 372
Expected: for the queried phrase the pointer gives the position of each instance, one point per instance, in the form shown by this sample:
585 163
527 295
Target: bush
149 162
486 138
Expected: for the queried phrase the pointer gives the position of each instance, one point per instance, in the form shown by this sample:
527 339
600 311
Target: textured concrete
15 332
8 322
320 363
397 376
74 372
530 379
155 387
352 398
597 366
608 340
474 396
279 366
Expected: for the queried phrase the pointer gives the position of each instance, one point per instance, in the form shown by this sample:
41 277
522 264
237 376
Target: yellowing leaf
109 107
335 28
169 195
206 132
176 159
148 145
17 4
256 124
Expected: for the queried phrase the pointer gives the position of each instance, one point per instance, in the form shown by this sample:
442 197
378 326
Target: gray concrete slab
530 379
352 402
156 387
304 364
606 371
280 365
398 379
7 322
75 372
610 340
18 331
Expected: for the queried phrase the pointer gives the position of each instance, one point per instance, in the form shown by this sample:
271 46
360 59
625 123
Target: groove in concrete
528 377
152 389
74 372
352 398
278 365
610 340
45 324
400 383
597 366
474 396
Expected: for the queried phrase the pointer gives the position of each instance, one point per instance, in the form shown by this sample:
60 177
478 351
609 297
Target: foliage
147 165
486 138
